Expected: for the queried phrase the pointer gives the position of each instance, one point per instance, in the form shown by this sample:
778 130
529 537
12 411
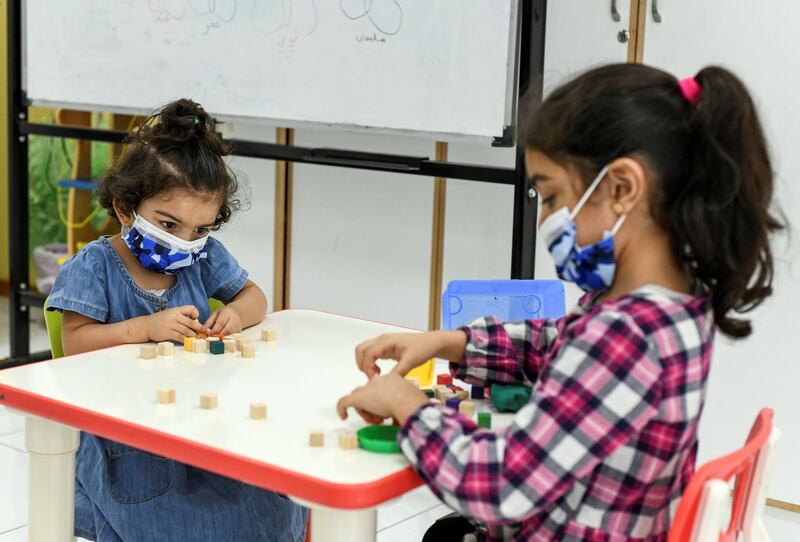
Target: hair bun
178 122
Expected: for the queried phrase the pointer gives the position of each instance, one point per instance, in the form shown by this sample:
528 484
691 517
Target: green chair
53 321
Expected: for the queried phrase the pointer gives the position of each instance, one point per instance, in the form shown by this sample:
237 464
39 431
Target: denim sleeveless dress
125 494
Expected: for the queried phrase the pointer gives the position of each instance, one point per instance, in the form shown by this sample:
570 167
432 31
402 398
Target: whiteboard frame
506 139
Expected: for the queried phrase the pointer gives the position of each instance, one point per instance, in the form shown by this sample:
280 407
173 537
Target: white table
112 393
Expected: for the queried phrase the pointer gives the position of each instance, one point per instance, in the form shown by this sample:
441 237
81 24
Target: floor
403 520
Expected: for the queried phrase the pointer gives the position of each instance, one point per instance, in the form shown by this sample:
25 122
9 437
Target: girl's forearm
90 337
251 304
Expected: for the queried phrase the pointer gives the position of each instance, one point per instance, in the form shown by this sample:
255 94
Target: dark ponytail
714 180
175 147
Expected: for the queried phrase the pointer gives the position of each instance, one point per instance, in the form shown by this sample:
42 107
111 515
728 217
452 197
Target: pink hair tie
690 89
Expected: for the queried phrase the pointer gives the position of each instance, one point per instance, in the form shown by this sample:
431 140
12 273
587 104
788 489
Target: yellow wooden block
165 396
188 344
208 401
316 438
269 335
258 411
147 351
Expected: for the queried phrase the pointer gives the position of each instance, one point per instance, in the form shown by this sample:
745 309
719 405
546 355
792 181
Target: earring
618 208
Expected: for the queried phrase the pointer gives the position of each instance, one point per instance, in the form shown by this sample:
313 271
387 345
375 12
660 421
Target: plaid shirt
608 441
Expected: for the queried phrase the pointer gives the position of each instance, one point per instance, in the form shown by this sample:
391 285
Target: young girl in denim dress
655 199
152 282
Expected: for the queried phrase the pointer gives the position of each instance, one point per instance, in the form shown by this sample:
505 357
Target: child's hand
389 396
224 321
174 324
409 349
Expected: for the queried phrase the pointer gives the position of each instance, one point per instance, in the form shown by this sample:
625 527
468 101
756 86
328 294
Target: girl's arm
506 353
80 333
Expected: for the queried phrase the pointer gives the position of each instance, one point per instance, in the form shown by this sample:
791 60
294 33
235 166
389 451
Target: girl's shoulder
97 256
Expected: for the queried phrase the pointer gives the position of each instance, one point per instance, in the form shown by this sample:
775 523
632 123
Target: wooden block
248 350
477 392
463 395
202 336
165 396
240 341
485 420
348 440
414 380
188 344
208 401
200 346
217 347
269 335
443 393
166 349
147 351
212 338
258 411
444 380
229 345
316 438
467 408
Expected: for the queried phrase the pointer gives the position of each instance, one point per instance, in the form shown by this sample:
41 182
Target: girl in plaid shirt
655 197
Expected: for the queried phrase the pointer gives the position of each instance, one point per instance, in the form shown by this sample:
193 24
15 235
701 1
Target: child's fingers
184 330
346 402
190 311
368 356
369 417
212 319
221 322
193 325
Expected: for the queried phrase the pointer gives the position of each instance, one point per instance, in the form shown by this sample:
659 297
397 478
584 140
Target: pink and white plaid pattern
608 441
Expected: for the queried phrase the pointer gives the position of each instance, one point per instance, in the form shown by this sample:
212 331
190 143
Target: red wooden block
444 380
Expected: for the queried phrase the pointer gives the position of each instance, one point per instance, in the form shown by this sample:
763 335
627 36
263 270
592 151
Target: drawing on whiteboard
218 12
296 16
385 15
167 10
223 11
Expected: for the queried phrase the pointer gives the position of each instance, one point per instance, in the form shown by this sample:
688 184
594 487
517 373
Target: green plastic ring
381 439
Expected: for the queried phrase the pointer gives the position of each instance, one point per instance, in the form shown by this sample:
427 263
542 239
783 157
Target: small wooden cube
316 438
147 351
248 350
348 440
241 341
269 335
166 349
200 346
467 408
485 420
165 396
258 411
188 344
202 336
463 395
208 401
217 347
477 392
229 345
443 393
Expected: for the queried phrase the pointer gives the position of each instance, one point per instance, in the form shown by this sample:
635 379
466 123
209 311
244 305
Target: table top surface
300 377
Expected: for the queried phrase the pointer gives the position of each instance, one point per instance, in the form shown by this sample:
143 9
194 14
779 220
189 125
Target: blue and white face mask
160 251
591 267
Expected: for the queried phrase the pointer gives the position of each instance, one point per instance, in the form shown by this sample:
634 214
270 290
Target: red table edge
301 486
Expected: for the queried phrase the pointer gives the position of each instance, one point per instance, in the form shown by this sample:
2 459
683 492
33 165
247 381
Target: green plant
50 159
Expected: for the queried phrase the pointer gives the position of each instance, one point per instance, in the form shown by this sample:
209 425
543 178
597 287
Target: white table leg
51 506
329 525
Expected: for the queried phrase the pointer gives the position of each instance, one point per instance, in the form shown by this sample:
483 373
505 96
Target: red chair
704 503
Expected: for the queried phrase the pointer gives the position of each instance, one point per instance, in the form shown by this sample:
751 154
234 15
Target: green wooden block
217 347
485 420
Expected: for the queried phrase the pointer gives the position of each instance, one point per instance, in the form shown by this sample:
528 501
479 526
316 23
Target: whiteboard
434 66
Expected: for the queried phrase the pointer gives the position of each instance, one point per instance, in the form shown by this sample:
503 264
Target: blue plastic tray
510 300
